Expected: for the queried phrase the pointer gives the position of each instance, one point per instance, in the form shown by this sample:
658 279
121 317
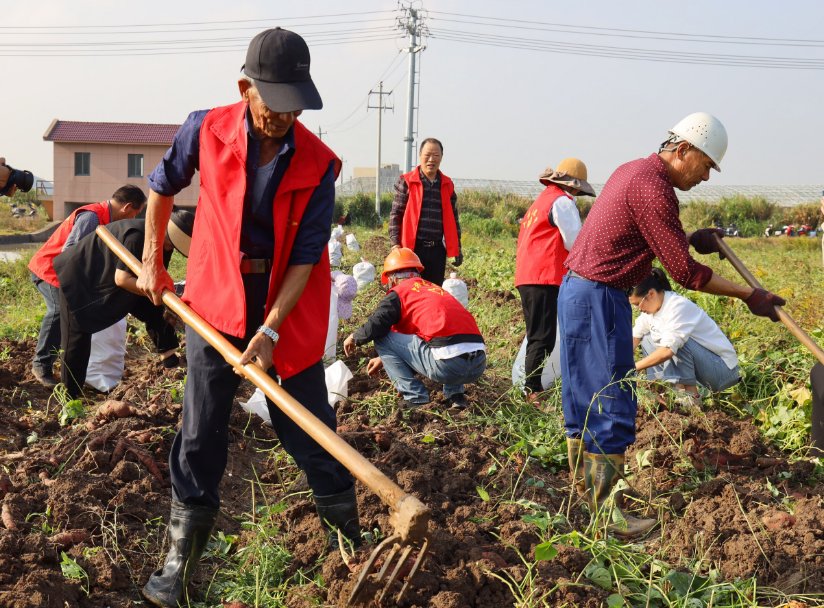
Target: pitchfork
408 515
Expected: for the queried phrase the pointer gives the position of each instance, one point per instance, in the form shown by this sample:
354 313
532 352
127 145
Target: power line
57 27
611 29
210 49
626 53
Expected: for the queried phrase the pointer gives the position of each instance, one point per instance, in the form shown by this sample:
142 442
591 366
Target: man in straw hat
97 290
634 221
548 231
258 273
420 328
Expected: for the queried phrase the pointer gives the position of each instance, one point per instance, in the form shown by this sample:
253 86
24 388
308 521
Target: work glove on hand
762 303
458 260
704 242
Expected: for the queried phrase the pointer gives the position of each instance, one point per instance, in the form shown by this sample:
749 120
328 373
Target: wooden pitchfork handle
409 516
786 319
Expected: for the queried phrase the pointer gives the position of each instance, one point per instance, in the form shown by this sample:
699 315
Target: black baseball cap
278 62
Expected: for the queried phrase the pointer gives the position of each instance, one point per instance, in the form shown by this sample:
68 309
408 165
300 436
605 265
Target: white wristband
269 332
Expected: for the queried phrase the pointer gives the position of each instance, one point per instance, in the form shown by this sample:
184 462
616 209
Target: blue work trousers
599 404
48 340
404 355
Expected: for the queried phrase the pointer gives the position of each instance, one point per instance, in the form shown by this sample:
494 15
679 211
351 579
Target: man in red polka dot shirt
634 220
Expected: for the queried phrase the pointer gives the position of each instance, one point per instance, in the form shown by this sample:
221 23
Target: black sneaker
44 377
457 402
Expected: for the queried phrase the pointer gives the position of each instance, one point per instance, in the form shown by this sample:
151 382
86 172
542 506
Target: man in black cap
258 273
97 290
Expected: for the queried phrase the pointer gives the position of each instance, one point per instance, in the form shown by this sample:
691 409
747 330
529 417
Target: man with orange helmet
419 328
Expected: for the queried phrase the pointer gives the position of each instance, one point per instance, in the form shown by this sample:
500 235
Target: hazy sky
502 113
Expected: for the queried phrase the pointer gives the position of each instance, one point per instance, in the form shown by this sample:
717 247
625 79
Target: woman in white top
681 344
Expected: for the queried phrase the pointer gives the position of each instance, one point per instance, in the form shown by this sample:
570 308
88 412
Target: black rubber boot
190 527
340 512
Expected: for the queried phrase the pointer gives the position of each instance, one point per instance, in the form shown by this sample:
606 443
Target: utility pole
341 170
320 135
380 107
414 28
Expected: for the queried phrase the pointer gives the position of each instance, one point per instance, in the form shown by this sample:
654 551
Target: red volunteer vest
409 226
42 262
541 254
432 312
214 287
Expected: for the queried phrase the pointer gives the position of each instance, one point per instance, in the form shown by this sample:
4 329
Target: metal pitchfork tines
408 515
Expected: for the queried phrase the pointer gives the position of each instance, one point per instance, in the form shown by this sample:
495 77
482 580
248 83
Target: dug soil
723 504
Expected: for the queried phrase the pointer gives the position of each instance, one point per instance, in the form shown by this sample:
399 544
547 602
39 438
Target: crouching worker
420 328
97 290
681 344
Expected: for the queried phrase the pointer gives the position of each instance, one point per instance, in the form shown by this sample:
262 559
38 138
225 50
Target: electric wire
56 27
588 27
625 53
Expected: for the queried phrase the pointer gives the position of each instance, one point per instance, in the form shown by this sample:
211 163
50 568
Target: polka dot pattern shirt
635 220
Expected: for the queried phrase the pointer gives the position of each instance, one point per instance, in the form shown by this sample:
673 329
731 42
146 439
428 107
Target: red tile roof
111 132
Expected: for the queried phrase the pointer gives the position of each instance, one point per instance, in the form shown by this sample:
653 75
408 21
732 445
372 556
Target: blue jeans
692 364
595 323
404 355
48 341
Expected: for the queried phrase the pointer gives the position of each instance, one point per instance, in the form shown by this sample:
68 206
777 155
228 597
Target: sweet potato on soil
778 521
99 441
47 481
765 463
8 519
5 486
66 539
117 409
235 604
119 452
147 461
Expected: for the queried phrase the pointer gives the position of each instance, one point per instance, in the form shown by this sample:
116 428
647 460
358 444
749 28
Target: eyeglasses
638 306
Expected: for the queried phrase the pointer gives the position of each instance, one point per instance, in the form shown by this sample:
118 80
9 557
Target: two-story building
93 159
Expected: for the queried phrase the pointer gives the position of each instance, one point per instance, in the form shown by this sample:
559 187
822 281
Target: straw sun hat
571 172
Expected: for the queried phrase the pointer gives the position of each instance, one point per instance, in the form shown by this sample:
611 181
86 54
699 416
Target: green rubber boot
600 476
575 452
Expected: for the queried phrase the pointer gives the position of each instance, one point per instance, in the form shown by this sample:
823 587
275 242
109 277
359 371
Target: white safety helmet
705 132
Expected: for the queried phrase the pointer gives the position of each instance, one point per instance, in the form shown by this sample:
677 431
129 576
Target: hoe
408 516
786 319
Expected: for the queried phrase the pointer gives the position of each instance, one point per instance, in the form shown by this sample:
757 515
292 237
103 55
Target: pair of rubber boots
594 476
190 528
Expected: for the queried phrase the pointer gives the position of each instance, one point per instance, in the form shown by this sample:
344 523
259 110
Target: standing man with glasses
424 216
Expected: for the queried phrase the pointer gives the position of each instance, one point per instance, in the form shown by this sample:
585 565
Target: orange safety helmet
399 259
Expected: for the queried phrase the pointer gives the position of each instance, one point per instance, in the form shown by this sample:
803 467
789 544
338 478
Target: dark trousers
540 304
48 340
199 452
817 431
434 262
76 344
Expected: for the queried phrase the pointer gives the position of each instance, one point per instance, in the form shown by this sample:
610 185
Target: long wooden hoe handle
786 319
409 516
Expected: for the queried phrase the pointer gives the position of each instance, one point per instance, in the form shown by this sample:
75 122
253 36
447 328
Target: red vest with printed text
214 287
541 254
432 312
409 226
42 262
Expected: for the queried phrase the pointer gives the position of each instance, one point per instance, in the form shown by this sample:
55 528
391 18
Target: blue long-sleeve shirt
178 166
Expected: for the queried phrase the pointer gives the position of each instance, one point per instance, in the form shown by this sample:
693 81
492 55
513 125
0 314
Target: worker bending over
424 215
125 204
259 274
97 290
634 220
548 231
681 344
420 328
